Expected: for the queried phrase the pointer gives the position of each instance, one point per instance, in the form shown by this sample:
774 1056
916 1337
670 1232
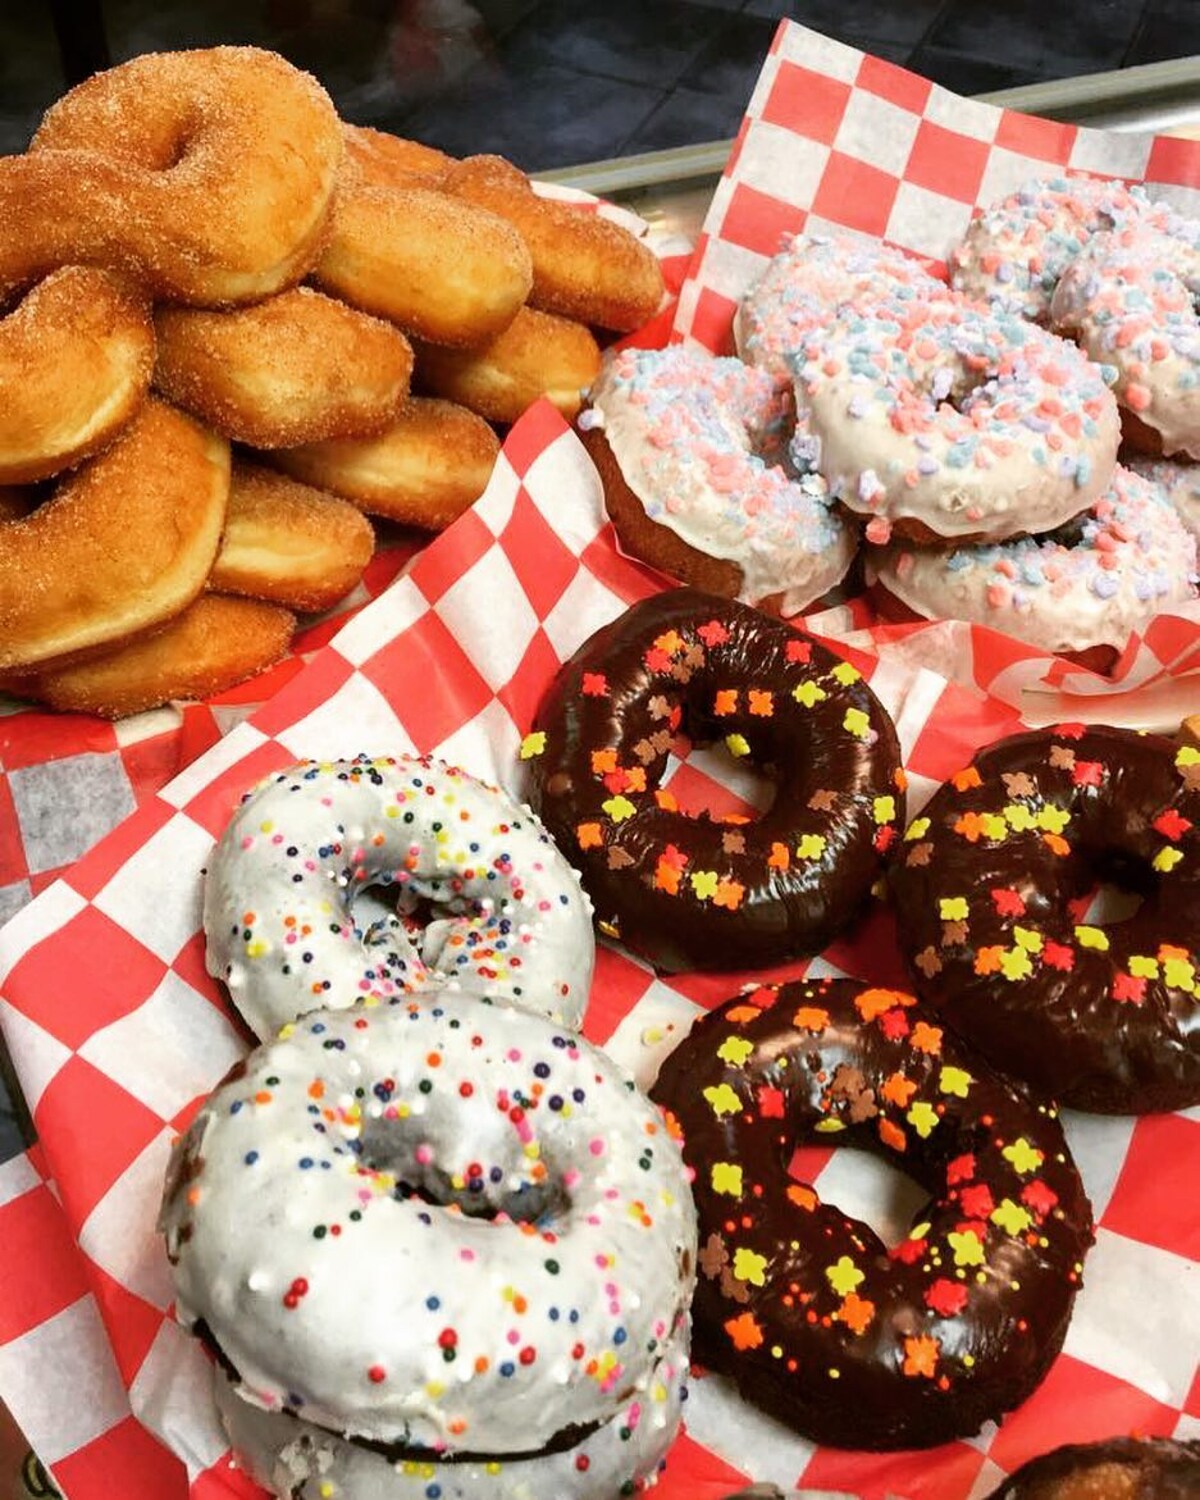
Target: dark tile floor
552 83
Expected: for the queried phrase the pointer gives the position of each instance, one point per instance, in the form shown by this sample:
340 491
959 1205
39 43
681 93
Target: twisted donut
75 362
207 174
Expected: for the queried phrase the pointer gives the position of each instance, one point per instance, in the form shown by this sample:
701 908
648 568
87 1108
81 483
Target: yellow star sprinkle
1179 975
1028 939
1011 1217
737 744
809 694
735 1050
844 1276
257 948
953 908
1024 1157
1015 964
856 723
1141 966
727 1178
1166 860
1092 937
923 1118
811 846
1019 817
747 1266
704 883
994 826
845 673
955 1081
1188 756
722 1099
1053 819
619 808
967 1247
533 744
917 829
830 1126
884 809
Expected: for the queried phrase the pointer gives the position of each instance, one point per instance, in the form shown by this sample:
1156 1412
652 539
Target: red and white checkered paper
835 139
117 1033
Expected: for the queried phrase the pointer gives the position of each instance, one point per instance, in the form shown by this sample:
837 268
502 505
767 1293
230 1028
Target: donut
424 470
585 267
691 452
1102 1017
15 502
123 544
694 892
298 1461
451 1228
953 421
288 543
1179 482
812 276
851 1341
1015 252
537 354
380 159
296 368
75 360
1118 1469
1091 583
214 644
1129 299
279 900
207 174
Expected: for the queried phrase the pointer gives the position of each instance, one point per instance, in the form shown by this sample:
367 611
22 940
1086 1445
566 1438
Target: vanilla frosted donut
1016 251
958 421
701 444
298 1461
1129 299
454 1226
279 900
1181 484
1089 584
811 277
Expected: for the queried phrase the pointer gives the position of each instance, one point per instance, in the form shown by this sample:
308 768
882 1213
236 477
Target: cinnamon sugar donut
380 159
208 174
75 360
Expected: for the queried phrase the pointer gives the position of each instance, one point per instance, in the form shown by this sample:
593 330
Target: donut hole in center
1112 888
864 1185
708 780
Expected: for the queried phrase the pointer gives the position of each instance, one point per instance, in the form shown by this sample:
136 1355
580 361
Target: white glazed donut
1181 484
279 900
701 442
452 1226
623 1456
1129 559
811 277
1130 300
959 421
1015 252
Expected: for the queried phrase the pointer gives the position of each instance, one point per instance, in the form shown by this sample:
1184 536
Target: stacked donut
196 252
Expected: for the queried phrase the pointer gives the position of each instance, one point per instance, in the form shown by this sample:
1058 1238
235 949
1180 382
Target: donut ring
124 544
279 899
955 422
691 892
1119 1469
690 451
849 1341
1129 299
380 159
1101 1017
207 174
294 369
1091 583
75 362
546 1252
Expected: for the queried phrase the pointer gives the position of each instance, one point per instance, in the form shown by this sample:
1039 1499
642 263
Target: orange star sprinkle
856 1312
744 1331
811 1018
927 1038
965 780
898 1090
871 1004
589 835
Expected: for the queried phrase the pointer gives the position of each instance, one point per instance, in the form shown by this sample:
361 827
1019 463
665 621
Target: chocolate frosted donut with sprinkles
850 1341
695 892
1120 1468
992 892
284 922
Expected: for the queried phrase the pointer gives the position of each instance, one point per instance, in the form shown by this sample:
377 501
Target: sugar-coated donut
692 451
1129 299
538 354
208 174
75 361
692 892
124 543
424 470
1091 583
380 159
585 267
1120 1468
954 421
296 368
279 901
289 543
1179 482
811 277
1103 1017
1017 251
623 1456
816 1319
433 1222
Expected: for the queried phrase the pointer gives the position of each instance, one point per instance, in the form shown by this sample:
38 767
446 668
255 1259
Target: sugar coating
1129 559
701 441
458 1227
1180 483
280 919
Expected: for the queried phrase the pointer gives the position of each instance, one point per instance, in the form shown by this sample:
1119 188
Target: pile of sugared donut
196 252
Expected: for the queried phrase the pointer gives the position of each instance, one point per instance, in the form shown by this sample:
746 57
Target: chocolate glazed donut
817 1321
695 892
1121 1469
1103 1018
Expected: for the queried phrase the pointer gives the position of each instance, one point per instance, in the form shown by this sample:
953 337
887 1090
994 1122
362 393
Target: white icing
1180 482
511 916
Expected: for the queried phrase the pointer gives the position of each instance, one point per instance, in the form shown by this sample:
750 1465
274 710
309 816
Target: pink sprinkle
247 842
572 1177
424 1154
596 1147
879 530
466 1255
513 1336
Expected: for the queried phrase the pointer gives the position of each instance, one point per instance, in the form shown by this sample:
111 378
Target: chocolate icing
1104 1018
816 1320
1138 1469
696 892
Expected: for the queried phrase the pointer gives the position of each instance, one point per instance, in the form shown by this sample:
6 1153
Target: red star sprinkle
884 838
1037 1196
961 1169
770 1103
1171 824
595 685
657 660
977 1201
799 652
1127 988
713 634
894 1024
908 1251
1009 903
946 1298
1058 957
1070 731
1088 773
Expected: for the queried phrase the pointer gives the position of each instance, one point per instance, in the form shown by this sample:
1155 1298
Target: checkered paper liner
117 1032
835 139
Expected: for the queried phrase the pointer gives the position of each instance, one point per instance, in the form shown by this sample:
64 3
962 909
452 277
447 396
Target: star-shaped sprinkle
1024 1157
735 1050
722 1100
713 1256
726 1177
921 1356
533 744
923 1118
1018 784
808 694
946 1298
749 1266
744 1332
856 1313
823 800
1062 757
967 1247
956 1081
1011 1217
928 962
733 842
844 1276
